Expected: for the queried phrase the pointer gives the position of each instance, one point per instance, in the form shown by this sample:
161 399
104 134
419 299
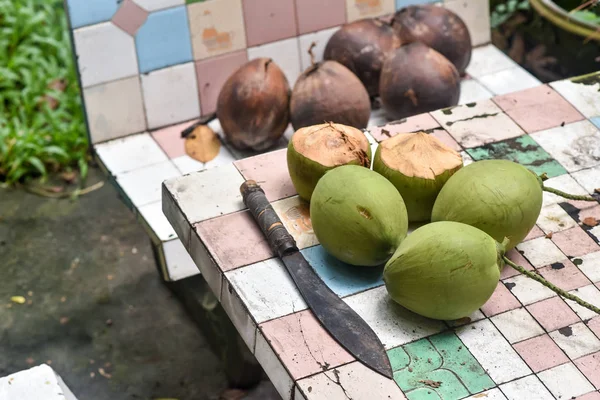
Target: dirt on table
79 290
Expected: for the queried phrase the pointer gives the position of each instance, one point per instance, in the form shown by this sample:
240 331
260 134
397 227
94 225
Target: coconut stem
311 54
551 286
567 195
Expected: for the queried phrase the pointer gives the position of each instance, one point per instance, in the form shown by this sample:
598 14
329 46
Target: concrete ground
95 308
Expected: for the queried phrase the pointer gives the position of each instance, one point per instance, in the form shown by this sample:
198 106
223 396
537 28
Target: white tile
208 194
494 353
373 144
576 340
154 5
566 183
395 325
527 290
267 290
129 153
467 159
179 263
472 91
488 59
492 394
39 382
476 15
114 109
575 146
590 266
529 388
540 251
320 38
565 381
273 367
350 381
588 178
155 218
585 98
590 294
143 185
377 118
478 124
175 217
104 53
187 164
553 218
298 394
509 81
171 95
475 316
238 314
285 53
517 325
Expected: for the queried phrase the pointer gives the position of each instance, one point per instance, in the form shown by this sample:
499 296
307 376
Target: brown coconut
362 46
253 105
437 27
417 79
329 92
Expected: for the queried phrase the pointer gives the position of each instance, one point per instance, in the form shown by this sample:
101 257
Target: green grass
35 138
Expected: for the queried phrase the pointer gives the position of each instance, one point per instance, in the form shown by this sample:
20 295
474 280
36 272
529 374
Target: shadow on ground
96 309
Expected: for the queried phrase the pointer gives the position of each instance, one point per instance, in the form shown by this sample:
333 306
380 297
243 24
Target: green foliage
502 10
41 123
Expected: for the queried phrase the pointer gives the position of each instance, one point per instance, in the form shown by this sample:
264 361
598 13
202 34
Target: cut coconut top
332 144
419 155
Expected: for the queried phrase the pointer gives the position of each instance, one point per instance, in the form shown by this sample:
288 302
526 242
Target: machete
341 321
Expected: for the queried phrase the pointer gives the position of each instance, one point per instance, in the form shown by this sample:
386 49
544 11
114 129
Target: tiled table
524 344
138 163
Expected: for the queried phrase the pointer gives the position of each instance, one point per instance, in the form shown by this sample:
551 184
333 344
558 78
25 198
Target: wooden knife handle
281 242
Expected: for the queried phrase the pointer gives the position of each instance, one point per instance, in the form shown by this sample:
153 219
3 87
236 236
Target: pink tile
419 122
541 353
590 366
331 13
553 313
589 396
271 172
170 140
269 20
234 240
446 139
212 74
516 257
130 17
575 242
538 108
590 212
302 344
502 300
565 275
536 232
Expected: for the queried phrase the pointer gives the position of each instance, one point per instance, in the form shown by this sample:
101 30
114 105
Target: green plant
503 10
42 126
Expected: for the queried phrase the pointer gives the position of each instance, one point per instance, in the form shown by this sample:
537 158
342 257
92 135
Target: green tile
194 1
441 361
460 361
523 150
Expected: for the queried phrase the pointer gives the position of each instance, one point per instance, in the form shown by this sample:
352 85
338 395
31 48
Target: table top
524 343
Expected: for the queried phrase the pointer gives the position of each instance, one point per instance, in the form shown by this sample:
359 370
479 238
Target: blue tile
595 121
342 278
89 12
164 40
403 3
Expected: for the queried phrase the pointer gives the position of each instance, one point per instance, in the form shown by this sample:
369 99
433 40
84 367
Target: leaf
590 221
37 164
202 144
18 299
429 382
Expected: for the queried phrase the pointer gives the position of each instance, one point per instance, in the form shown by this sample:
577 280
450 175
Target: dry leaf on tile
590 221
202 144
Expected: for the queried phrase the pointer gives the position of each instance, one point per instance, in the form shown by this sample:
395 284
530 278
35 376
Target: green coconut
418 165
358 216
444 270
500 197
316 149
